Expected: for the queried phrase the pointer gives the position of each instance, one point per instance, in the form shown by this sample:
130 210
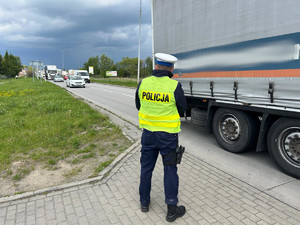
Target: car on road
58 78
75 81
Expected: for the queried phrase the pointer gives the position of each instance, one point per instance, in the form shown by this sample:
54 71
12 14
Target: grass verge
128 82
42 123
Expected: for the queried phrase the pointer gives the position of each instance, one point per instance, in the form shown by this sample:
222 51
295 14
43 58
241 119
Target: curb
103 174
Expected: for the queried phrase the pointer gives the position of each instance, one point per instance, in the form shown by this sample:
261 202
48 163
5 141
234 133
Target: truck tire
234 130
198 116
284 145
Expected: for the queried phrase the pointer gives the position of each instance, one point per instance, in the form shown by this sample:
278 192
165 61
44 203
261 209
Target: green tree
11 65
143 72
128 67
16 64
7 65
93 61
105 64
148 66
30 70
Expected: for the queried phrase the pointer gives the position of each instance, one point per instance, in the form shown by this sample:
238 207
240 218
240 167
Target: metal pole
62 60
152 19
139 51
37 72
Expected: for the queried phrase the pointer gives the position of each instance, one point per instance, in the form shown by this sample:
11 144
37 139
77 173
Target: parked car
58 78
66 76
75 81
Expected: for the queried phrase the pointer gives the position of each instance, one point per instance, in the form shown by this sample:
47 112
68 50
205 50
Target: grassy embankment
128 82
42 123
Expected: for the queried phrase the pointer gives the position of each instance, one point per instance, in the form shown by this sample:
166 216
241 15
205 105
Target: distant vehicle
71 72
83 73
75 81
50 72
58 78
64 74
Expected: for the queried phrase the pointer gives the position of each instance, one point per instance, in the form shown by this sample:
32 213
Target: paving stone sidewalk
210 196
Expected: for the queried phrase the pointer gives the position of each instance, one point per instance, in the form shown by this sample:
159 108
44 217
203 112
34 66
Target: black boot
174 212
145 208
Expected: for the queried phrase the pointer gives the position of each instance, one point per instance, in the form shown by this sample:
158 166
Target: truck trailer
240 70
50 72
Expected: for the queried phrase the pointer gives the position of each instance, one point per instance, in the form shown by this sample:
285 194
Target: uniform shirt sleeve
180 99
137 99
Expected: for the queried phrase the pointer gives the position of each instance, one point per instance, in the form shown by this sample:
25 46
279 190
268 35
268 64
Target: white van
84 74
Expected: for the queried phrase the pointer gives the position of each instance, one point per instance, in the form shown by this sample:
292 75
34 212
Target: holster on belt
179 152
174 157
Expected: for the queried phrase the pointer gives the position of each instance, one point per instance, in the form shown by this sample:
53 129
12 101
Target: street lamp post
62 60
139 51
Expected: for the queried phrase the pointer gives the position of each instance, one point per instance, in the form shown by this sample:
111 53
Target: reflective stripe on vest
172 117
160 124
158 110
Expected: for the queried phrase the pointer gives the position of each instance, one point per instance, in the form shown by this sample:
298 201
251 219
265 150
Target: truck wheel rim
289 145
230 128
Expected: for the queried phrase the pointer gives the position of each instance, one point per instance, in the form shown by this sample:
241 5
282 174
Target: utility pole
62 60
139 51
152 14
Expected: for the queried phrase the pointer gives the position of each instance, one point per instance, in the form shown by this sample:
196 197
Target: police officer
160 101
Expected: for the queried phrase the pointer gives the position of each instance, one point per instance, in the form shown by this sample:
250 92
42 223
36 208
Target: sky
68 32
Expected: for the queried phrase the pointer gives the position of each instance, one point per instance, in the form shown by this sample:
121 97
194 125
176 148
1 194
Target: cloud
95 27
106 3
27 39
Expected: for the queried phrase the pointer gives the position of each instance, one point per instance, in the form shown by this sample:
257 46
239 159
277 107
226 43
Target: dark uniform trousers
154 143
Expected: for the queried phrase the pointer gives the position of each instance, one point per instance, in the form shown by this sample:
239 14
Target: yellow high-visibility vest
158 111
